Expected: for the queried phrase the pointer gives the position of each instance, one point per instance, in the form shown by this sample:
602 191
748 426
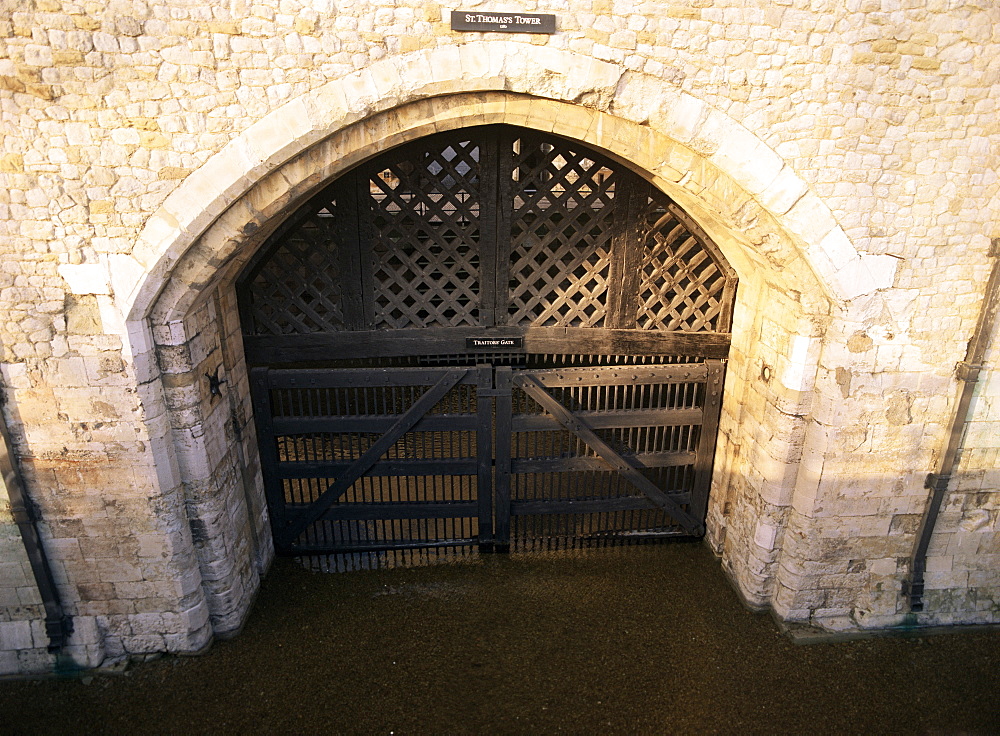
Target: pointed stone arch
796 265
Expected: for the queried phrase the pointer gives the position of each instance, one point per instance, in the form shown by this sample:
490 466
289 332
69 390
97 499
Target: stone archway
784 243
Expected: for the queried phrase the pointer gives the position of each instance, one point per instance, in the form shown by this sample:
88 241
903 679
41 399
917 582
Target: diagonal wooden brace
364 463
577 426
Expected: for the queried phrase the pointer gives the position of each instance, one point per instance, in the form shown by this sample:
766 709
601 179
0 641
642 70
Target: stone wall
844 155
214 438
961 578
22 617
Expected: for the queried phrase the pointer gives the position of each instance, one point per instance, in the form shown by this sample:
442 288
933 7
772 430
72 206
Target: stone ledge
801 633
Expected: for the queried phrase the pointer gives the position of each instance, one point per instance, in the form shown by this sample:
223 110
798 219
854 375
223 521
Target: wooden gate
604 454
486 337
377 459
363 461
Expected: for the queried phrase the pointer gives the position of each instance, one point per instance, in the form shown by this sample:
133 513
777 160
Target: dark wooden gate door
605 453
368 460
372 460
490 336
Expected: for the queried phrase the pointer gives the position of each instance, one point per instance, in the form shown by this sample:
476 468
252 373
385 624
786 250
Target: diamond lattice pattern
560 236
297 290
421 226
425 213
681 287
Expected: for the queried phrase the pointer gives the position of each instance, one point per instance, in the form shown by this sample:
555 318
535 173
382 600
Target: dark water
644 640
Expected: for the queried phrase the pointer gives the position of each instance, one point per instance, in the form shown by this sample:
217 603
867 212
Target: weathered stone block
15 635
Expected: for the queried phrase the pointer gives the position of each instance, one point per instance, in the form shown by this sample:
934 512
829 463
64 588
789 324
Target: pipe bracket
968 372
937 482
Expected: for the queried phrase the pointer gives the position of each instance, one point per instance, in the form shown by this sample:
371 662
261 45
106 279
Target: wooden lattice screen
565 212
297 289
485 227
422 213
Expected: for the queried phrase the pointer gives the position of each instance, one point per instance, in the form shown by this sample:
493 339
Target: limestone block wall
117 542
22 618
766 404
844 153
213 437
964 555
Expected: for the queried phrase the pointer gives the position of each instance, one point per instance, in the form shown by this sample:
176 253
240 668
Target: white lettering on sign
504 20
494 342
501 19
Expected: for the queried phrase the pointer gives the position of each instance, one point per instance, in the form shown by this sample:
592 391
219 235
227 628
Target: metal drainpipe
58 626
968 372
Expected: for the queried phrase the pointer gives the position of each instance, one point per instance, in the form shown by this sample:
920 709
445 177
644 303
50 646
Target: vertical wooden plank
708 437
626 253
244 286
356 286
504 163
502 458
365 269
489 214
267 443
728 305
484 455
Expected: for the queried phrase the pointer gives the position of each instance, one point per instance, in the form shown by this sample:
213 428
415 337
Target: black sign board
474 20
494 344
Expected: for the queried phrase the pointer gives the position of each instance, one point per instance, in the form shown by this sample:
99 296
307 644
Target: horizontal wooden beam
390 468
611 419
376 511
467 422
294 349
588 505
359 377
372 424
571 464
291 470
629 375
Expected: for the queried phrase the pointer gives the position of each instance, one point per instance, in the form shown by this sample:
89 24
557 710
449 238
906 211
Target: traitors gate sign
494 343
463 20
